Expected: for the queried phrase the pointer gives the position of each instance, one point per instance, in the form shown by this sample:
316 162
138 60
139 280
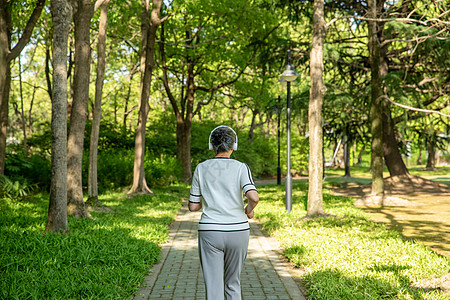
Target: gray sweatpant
222 256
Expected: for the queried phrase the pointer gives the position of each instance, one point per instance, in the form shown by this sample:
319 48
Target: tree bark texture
184 125
101 65
57 211
149 24
8 54
317 92
184 115
431 151
375 108
5 77
392 155
83 12
347 146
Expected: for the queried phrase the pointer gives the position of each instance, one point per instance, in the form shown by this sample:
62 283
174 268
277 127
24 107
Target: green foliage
348 256
260 153
41 140
162 170
34 169
103 259
16 163
110 137
13 190
114 168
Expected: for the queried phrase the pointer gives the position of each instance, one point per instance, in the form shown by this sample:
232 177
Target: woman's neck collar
224 154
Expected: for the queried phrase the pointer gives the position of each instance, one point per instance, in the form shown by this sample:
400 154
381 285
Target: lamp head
283 82
289 74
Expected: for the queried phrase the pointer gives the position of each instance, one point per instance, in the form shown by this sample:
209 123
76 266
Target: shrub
162 170
114 168
34 169
13 189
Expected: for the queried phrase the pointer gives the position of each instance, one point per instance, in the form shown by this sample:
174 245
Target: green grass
348 256
104 258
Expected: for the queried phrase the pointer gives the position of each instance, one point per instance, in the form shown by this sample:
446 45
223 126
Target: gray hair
223 139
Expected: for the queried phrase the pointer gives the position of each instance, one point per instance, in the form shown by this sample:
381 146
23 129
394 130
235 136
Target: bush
114 168
34 169
13 190
162 170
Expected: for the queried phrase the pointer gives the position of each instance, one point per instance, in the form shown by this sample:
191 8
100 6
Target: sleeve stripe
250 190
249 174
195 195
247 185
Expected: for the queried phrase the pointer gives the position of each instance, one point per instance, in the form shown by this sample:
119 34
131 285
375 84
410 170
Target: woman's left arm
193 206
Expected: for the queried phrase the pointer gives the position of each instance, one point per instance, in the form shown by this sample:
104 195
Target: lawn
343 257
104 258
348 256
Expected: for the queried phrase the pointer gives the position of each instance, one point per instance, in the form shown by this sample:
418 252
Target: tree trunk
57 211
347 146
184 142
147 65
317 92
419 158
431 150
22 114
101 65
47 71
376 164
83 13
252 126
392 156
183 115
184 147
6 56
5 81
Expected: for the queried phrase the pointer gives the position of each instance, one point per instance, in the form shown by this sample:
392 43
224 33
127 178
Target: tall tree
83 12
150 21
204 54
317 92
7 55
376 164
57 211
96 114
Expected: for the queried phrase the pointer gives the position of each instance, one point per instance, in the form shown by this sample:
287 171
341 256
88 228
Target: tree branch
413 108
418 39
99 3
406 20
25 38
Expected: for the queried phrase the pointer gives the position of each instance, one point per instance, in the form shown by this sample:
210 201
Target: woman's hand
253 199
250 214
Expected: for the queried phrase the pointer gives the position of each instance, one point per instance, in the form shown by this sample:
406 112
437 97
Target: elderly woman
217 189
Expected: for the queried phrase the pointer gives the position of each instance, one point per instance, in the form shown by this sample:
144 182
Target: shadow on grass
421 229
332 284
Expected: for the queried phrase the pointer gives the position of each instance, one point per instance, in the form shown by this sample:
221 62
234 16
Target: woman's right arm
253 199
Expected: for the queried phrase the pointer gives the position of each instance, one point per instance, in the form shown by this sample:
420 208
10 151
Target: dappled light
105 112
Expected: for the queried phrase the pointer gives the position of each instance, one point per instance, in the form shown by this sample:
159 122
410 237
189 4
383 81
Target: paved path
179 276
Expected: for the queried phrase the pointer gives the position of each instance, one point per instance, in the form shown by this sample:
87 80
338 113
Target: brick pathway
179 276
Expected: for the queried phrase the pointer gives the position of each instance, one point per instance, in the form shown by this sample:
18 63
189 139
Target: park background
216 63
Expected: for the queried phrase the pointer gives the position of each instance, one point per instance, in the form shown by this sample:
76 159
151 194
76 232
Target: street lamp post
279 145
288 75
